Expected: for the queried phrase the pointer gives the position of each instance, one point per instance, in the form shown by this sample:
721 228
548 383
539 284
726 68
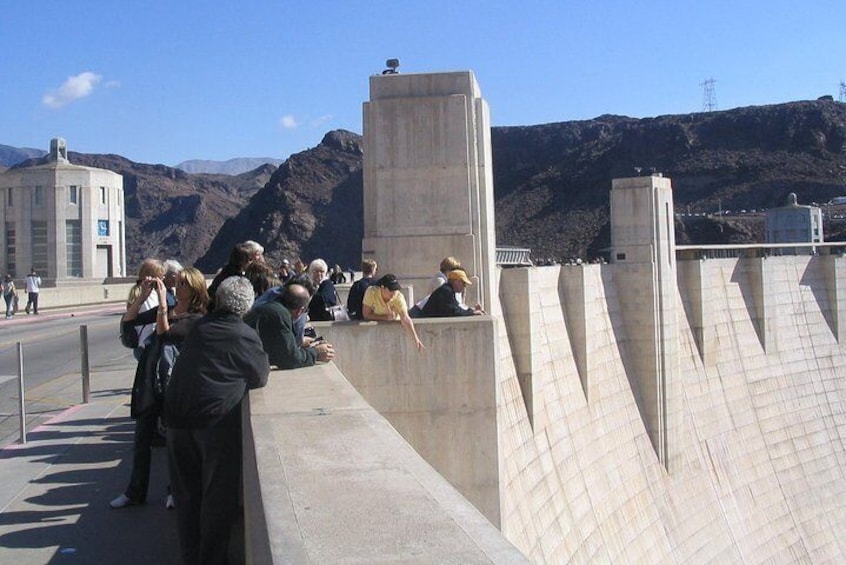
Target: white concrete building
64 220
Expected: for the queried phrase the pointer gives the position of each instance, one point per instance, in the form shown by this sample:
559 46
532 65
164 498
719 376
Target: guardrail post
83 355
22 392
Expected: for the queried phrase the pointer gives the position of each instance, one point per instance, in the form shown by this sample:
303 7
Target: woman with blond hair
150 268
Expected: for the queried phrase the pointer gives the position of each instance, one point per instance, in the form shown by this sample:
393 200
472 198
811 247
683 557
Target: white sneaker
169 503
122 502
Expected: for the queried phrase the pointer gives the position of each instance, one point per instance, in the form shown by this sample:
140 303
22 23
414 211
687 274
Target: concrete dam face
755 469
666 407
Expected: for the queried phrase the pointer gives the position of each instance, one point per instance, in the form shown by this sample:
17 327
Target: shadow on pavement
62 516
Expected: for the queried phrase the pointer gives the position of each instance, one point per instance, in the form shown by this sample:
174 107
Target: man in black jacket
274 323
220 360
442 302
359 287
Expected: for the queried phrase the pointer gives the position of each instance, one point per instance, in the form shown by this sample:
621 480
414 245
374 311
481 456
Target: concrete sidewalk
55 490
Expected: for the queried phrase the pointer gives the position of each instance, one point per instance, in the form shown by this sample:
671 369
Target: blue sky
162 81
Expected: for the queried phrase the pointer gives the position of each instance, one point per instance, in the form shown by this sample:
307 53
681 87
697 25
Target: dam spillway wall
757 410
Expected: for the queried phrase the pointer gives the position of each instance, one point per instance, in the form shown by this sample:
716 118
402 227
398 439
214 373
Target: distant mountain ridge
10 156
13 155
229 167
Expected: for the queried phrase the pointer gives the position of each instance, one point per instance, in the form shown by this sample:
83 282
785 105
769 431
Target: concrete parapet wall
442 400
328 480
78 295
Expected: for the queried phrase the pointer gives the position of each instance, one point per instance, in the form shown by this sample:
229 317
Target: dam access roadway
52 361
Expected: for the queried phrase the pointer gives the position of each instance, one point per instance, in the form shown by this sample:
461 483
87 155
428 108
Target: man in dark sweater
274 323
359 287
442 302
220 360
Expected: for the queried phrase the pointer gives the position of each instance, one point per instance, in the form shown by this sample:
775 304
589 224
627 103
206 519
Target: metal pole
83 355
22 392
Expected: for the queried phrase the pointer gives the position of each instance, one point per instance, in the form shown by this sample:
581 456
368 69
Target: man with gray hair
172 269
220 360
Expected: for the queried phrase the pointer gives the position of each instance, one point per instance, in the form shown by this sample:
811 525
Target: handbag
339 312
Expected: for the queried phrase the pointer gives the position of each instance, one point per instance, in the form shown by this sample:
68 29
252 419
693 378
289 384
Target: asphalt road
52 366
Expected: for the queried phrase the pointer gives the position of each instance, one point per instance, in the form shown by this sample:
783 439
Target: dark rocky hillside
553 181
311 207
552 185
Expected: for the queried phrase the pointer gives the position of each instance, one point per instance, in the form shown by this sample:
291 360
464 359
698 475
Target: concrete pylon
428 180
643 253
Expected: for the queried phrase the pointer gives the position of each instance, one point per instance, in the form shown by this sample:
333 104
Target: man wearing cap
384 301
442 302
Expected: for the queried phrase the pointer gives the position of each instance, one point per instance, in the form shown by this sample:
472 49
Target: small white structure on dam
666 407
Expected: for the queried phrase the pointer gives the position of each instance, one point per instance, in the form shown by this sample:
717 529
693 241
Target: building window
38 197
73 248
9 197
39 246
103 228
73 194
102 195
10 248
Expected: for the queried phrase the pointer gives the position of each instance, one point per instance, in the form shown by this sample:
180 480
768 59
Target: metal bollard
83 355
22 391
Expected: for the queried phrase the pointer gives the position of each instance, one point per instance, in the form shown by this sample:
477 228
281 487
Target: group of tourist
201 348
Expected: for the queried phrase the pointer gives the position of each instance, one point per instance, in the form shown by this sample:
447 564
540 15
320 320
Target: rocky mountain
229 167
310 207
551 185
552 181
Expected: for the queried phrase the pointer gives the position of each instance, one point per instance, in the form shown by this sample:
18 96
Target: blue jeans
10 304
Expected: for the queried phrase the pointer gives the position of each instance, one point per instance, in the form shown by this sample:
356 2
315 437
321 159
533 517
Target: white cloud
317 122
74 88
289 122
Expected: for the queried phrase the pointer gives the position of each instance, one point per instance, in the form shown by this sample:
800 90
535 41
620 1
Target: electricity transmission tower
709 95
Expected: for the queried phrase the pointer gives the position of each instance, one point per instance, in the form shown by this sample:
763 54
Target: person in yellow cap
442 302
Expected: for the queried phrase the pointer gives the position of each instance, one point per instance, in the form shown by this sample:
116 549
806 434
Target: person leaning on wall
384 301
442 303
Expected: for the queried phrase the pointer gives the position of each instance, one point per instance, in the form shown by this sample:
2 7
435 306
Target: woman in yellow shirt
384 301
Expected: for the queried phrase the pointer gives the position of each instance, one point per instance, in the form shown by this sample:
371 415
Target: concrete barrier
328 480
